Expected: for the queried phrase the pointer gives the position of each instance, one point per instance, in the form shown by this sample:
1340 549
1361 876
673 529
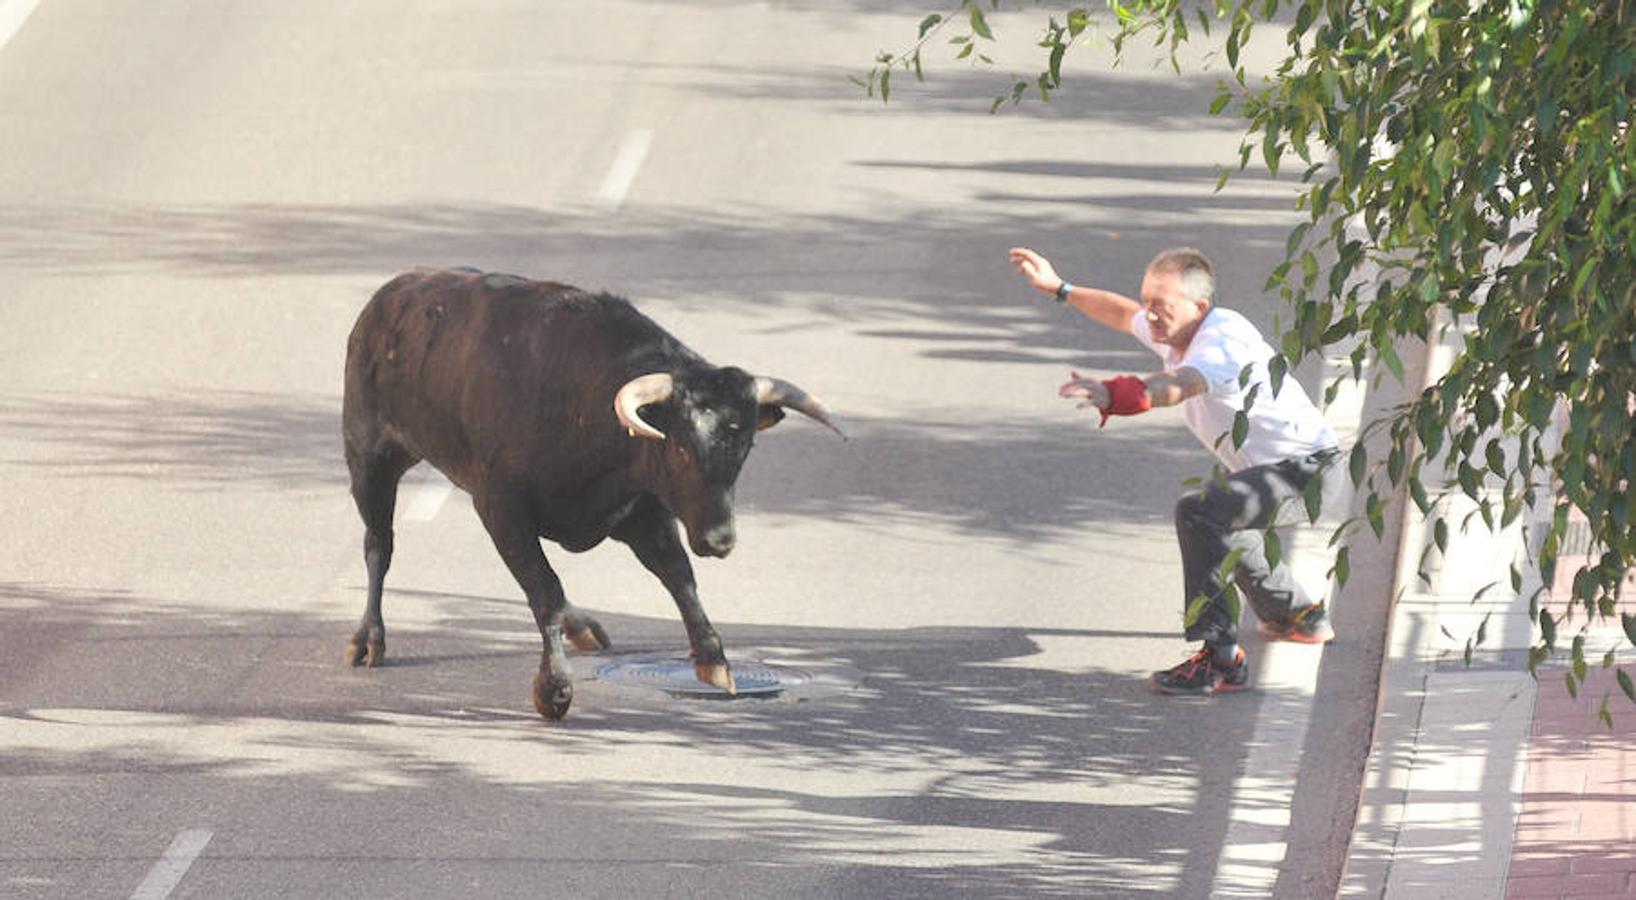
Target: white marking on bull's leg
622 174
428 498
171 868
13 13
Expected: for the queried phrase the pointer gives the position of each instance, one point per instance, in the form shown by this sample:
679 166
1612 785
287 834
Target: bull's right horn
778 392
637 393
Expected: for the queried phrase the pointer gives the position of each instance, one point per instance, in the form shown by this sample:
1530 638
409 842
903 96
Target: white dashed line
13 13
622 174
169 871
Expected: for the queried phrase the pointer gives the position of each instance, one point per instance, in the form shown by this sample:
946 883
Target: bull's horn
637 393
778 392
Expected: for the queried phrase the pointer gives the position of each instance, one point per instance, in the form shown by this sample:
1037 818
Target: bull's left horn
637 393
778 392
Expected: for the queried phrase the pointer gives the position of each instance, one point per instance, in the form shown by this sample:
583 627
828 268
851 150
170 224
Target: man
1287 446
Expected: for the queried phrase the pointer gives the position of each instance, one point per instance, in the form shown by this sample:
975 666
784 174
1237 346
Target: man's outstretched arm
1128 395
1110 309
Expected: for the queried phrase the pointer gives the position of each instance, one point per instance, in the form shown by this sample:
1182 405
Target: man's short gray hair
1193 269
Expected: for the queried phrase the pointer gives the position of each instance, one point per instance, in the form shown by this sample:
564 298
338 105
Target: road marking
428 497
622 174
13 13
168 872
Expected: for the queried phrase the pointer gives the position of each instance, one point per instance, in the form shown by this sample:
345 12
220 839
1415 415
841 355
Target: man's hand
1088 391
1037 269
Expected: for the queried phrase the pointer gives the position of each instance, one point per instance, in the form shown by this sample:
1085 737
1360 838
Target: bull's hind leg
650 531
518 541
375 490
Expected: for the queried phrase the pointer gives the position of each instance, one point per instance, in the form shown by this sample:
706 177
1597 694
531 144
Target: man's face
1172 316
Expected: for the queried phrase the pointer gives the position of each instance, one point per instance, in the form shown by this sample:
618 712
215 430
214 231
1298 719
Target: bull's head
706 419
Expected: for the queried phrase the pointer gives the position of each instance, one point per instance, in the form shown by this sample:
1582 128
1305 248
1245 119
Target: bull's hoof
584 632
552 696
717 675
366 650
589 639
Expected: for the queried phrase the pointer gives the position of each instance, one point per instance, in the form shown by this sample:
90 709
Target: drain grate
674 675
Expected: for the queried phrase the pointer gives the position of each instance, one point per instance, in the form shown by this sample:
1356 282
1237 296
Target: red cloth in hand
1127 396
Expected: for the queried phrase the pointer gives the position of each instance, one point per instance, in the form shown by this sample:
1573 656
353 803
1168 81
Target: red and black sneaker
1202 674
1308 625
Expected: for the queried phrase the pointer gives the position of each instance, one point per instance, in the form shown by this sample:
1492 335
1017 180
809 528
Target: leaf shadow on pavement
953 767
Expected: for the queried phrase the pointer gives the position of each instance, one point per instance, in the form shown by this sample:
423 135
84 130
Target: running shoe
1307 625
1202 674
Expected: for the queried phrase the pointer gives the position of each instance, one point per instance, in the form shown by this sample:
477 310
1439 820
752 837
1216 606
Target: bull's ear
767 416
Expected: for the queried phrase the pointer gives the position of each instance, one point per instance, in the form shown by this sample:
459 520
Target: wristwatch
1062 292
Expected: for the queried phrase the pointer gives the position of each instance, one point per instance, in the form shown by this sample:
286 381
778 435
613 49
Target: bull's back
457 365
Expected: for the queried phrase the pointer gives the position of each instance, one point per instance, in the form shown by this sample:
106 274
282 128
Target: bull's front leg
651 532
516 538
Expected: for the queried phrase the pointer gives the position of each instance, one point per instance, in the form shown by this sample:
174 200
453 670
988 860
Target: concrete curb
1441 794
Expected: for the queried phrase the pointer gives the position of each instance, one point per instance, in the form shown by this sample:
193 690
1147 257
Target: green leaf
1629 623
1194 610
1389 357
1625 684
1417 492
1272 547
1078 20
928 23
1496 458
1547 627
979 23
1343 565
1241 428
1359 463
1471 479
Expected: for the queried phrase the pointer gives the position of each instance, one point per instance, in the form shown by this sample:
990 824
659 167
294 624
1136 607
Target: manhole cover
753 679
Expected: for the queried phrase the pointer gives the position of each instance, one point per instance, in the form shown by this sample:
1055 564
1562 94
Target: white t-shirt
1283 427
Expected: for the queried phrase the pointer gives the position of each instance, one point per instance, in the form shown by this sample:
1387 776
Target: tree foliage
1464 165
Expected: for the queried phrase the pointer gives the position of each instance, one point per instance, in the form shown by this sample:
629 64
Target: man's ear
767 416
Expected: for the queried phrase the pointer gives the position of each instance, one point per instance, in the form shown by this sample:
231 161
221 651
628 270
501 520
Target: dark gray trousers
1229 515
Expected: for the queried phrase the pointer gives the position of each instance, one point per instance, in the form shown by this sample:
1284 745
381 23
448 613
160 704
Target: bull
566 415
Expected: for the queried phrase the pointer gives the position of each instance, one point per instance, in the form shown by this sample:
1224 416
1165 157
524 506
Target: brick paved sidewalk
1576 832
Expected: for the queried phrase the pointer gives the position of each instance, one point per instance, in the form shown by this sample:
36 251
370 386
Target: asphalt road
196 198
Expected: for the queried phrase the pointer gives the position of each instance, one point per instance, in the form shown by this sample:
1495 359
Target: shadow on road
954 768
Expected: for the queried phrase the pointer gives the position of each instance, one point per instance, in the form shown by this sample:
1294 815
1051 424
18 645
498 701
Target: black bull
567 416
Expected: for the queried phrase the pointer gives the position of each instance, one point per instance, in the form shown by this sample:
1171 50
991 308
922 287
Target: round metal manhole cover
753 679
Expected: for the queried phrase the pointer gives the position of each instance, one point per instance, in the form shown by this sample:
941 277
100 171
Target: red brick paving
1576 834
